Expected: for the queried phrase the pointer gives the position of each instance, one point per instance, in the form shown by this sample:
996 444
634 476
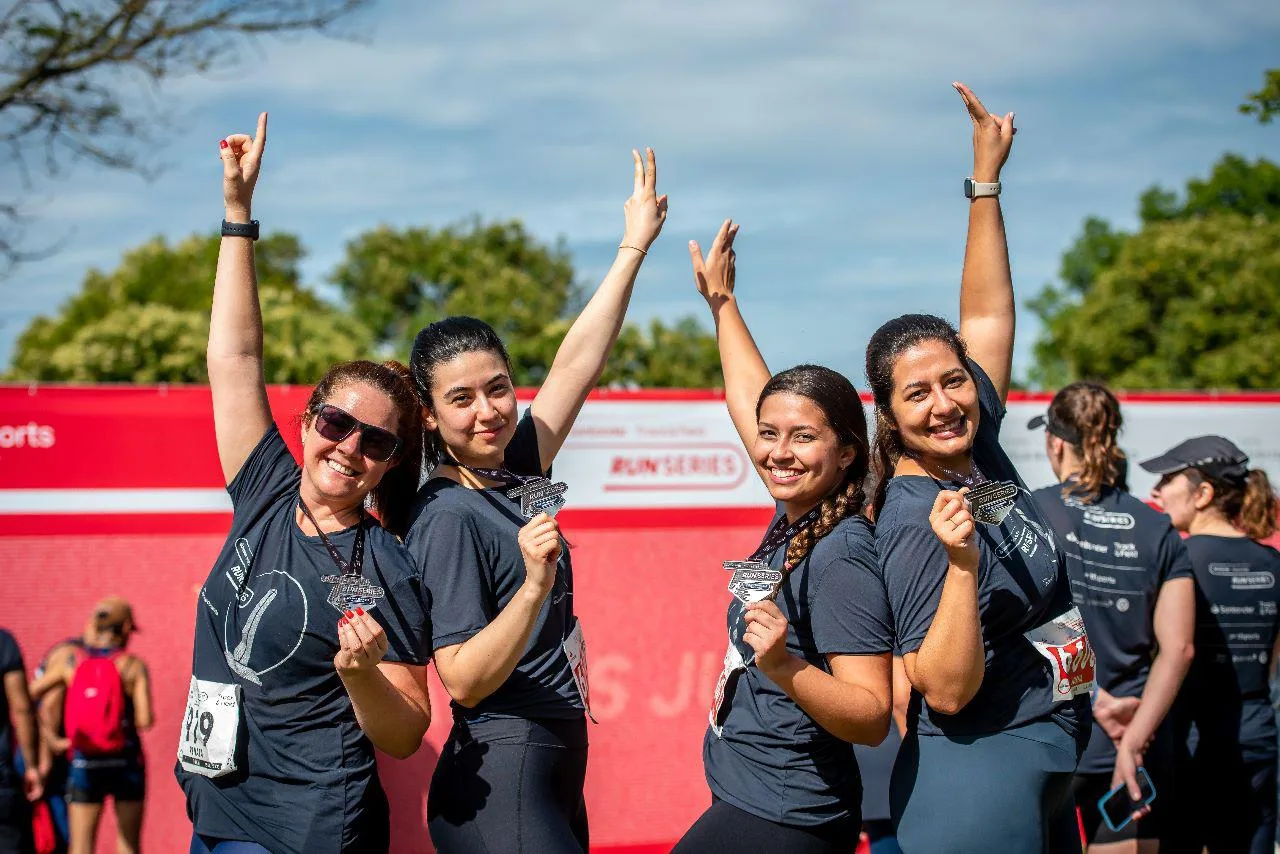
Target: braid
837 506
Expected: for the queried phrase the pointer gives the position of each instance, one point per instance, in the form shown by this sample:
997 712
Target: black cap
1065 432
1214 455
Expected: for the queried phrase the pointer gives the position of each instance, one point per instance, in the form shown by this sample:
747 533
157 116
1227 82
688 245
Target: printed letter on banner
1064 644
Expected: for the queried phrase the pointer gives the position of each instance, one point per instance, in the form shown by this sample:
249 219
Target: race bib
210 728
733 667
1064 644
575 649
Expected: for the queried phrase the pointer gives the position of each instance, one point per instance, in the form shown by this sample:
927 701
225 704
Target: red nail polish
360 611
222 144
350 616
342 621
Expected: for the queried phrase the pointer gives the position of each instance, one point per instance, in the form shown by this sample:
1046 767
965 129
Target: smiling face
935 403
797 452
1180 498
337 473
473 407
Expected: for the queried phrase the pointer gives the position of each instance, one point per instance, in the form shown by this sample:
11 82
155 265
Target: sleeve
269 470
406 618
450 557
522 455
1173 557
848 604
10 654
992 409
915 568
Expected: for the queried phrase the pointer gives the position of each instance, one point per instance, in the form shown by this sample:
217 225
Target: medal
992 501
753 580
351 589
537 494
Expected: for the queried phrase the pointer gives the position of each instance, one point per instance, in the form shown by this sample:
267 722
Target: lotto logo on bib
1063 643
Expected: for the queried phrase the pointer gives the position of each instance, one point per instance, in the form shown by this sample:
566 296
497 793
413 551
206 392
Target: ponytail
1089 416
844 501
884 457
1257 516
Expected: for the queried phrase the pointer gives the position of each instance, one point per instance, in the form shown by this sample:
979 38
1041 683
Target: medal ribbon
781 532
356 565
501 475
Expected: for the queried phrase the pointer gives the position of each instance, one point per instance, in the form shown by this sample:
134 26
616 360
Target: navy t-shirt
463 542
1119 554
1022 584
1226 692
771 758
307 781
10 662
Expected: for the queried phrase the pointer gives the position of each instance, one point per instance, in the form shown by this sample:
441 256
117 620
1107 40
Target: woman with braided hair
996 653
1132 579
808 668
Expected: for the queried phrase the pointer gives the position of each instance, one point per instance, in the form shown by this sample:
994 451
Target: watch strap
240 229
980 189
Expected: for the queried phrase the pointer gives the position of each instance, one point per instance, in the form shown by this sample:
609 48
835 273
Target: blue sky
830 131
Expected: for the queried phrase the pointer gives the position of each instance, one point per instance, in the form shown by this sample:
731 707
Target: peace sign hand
716 274
992 136
645 211
241 160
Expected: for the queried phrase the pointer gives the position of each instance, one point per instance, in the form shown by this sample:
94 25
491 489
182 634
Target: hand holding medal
540 544
953 524
362 641
766 633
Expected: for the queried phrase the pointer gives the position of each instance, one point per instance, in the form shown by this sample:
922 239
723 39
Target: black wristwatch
240 229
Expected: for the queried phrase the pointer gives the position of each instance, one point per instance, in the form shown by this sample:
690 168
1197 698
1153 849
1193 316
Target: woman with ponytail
311 629
994 650
808 668
1131 577
507 643
1227 776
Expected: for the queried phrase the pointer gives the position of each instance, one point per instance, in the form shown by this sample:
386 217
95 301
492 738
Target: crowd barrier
117 490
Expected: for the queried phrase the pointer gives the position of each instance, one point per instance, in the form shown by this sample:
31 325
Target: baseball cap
1214 455
1063 431
114 612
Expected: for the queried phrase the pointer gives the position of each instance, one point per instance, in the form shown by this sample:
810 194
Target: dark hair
392 498
1249 502
441 342
1094 413
838 399
889 342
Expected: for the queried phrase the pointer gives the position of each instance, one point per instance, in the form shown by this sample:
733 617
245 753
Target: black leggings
725 829
510 784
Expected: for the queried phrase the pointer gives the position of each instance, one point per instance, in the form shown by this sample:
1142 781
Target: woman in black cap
1131 578
1227 782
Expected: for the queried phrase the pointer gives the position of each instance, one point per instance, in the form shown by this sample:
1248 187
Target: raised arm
240 411
581 357
744 369
948 667
986 285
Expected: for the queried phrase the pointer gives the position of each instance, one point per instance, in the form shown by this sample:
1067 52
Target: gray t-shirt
464 543
772 759
1022 584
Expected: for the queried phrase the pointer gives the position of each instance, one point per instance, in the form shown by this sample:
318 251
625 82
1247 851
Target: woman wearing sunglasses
510 776
294 678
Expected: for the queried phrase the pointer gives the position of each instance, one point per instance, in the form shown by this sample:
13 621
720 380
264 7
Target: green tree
1265 103
398 281
1187 301
148 320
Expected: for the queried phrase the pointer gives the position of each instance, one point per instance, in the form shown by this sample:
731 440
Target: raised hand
766 633
953 524
362 641
241 160
992 136
539 542
645 211
715 274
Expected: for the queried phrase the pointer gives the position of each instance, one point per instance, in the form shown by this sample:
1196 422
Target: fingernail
342 621
222 144
350 615
360 611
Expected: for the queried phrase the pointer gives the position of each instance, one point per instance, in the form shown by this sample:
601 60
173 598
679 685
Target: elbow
1184 653
875 732
953 700
402 748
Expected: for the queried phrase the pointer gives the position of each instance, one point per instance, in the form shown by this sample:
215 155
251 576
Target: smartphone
1116 805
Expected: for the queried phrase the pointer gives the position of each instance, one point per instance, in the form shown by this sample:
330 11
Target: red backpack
95 705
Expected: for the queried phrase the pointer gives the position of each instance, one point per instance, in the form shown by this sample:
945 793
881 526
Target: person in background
1131 577
97 772
1227 744
17 724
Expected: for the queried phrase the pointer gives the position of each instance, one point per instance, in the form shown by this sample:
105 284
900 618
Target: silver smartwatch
978 189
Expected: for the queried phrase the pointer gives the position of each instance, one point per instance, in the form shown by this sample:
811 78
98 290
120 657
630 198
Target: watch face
968 188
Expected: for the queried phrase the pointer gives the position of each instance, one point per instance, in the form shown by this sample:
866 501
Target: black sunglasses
335 425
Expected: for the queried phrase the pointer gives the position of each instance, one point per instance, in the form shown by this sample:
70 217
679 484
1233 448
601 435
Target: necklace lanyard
356 564
537 493
781 532
502 475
